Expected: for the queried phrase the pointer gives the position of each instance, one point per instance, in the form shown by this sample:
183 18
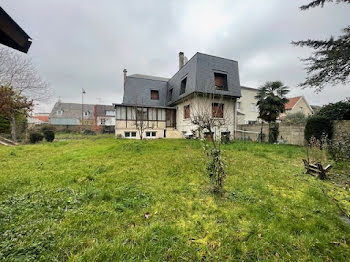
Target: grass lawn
102 199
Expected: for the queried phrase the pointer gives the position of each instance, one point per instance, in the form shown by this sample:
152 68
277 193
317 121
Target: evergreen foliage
336 111
35 137
318 127
330 61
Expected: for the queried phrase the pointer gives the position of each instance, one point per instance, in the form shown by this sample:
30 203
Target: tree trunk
270 140
13 127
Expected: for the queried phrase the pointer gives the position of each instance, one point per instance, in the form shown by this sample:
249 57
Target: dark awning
12 35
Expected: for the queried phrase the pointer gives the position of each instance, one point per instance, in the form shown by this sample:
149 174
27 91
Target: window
238 105
220 81
86 113
252 107
154 94
131 115
103 121
141 113
187 111
161 114
59 112
130 134
183 86
152 114
217 110
170 94
151 134
121 112
110 113
301 109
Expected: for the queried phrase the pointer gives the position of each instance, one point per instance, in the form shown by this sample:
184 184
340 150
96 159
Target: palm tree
271 101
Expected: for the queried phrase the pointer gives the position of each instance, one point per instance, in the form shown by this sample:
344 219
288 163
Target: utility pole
82 106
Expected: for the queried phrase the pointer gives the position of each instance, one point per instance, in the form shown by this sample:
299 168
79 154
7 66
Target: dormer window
183 86
220 81
59 112
170 94
154 95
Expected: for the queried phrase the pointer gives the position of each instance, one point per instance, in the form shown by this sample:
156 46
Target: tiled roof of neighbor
42 118
291 103
156 78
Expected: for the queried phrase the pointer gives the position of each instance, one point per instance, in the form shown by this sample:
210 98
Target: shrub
89 132
49 135
35 137
318 126
339 147
48 132
296 118
215 168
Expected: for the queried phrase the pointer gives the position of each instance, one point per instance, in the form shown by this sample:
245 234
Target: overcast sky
87 43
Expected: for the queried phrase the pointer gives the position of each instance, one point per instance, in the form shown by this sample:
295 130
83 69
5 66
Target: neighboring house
69 114
247 110
38 119
104 116
298 104
167 104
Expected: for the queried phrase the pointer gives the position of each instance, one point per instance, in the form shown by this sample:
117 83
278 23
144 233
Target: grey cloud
87 44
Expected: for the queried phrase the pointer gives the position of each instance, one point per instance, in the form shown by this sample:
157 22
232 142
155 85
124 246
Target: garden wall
340 128
289 134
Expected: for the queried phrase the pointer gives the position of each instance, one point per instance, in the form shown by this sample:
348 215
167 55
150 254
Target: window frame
216 113
171 90
107 113
224 76
156 93
183 86
187 107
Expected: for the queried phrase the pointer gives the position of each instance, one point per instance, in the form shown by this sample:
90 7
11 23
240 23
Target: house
247 110
70 114
165 105
298 104
38 119
104 117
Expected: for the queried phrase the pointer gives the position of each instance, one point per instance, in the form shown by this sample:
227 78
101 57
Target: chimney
125 74
181 60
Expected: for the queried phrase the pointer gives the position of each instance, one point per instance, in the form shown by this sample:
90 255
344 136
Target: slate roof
100 110
72 110
199 73
156 78
291 102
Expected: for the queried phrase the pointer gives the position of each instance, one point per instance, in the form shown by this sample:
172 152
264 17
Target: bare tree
208 115
141 122
17 72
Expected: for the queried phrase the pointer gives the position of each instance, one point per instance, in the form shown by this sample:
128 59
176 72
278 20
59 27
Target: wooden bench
316 169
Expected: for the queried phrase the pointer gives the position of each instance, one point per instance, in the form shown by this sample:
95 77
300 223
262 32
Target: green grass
102 199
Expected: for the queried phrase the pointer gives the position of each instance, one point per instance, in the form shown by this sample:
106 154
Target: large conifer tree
330 62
